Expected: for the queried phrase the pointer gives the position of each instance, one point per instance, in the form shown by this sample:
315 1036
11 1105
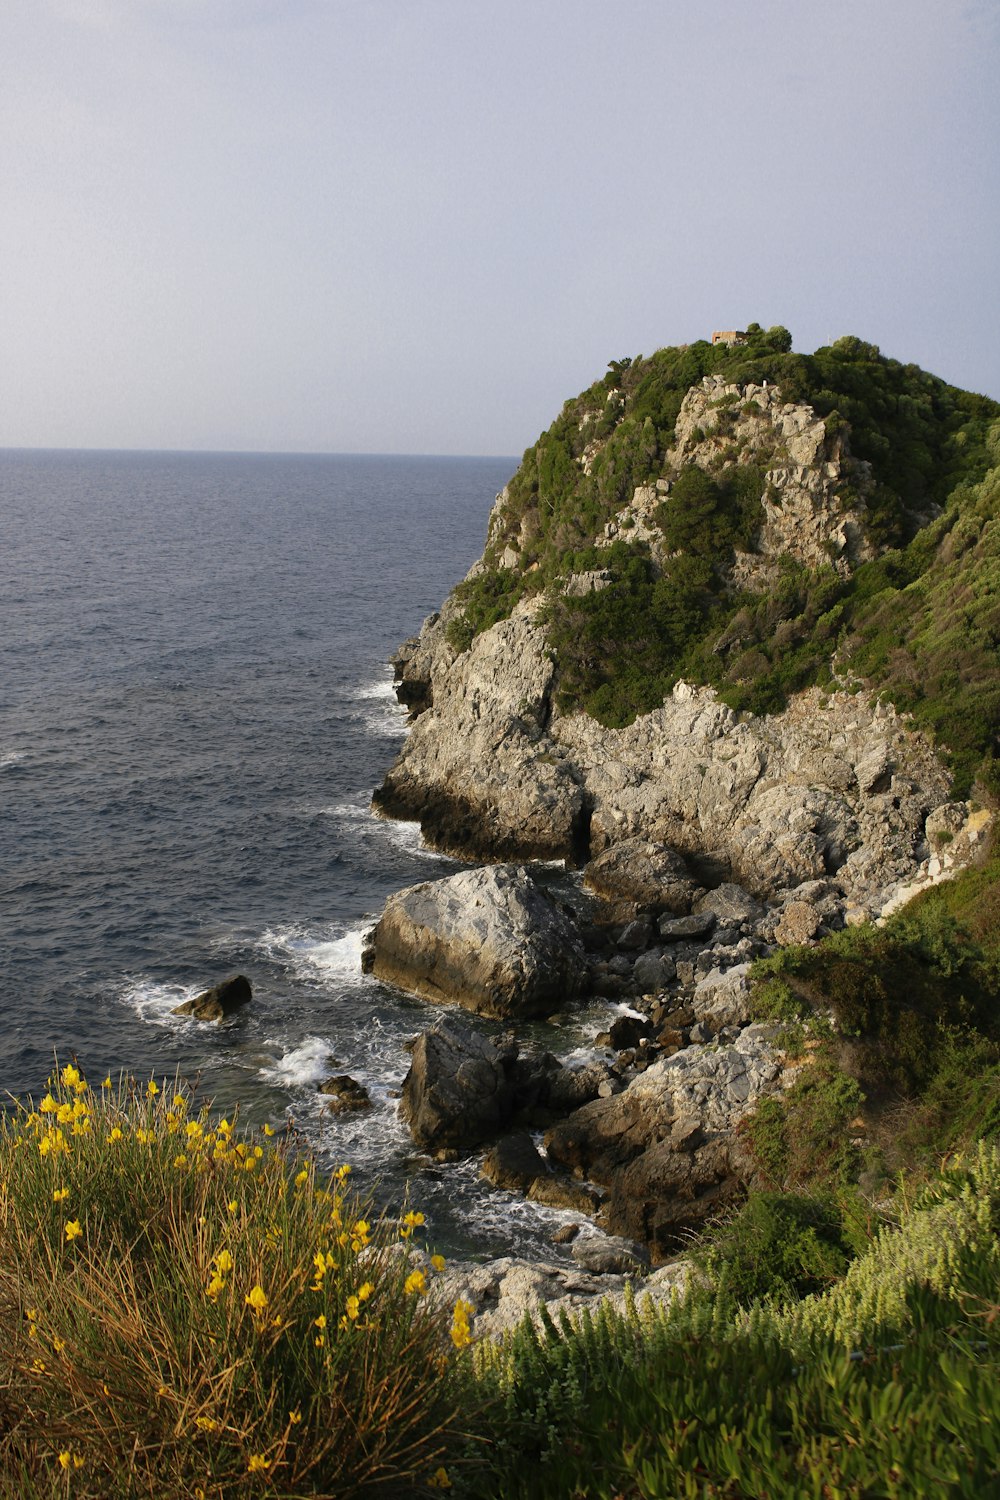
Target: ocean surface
195 707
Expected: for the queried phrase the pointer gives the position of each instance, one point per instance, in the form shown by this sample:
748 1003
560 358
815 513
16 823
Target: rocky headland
703 834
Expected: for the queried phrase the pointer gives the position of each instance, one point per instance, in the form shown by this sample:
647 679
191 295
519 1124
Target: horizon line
252 452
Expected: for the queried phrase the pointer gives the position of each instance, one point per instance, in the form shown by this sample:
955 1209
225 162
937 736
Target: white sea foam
153 1001
406 835
381 688
337 958
11 758
308 1063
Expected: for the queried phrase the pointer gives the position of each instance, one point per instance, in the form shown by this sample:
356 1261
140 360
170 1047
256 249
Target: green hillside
920 620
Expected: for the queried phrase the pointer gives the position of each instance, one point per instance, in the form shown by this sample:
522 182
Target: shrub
187 1311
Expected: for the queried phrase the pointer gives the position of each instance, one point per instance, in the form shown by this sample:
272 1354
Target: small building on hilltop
729 336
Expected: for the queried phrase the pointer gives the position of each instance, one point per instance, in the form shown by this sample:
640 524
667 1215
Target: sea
196 705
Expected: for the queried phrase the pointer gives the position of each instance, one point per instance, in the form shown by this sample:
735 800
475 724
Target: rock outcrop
491 940
218 1003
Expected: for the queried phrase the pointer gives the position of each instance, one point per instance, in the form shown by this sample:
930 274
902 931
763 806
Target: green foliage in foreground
188 1312
885 1386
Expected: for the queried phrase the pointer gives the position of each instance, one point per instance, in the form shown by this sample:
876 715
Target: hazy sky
417 226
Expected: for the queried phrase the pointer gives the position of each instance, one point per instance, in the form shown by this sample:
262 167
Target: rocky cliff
751 489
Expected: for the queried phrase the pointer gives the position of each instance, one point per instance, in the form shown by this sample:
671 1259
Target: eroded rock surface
491 940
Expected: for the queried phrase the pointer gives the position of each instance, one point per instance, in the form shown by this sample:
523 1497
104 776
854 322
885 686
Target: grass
187 1310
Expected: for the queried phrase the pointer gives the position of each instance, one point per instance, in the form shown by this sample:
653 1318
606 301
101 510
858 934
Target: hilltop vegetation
919 620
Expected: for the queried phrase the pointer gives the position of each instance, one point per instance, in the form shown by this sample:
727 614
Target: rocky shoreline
702 838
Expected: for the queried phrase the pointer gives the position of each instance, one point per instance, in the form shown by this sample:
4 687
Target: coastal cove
196 706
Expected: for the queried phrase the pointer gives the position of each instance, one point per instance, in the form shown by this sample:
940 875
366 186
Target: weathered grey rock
723 997
649 874
629 1030
665 1147
653 970
730 903
636 935
556 1191
606 1254
677 929
502 1291
491 940
457 1092
571 1087
513 1163
799 923
346 1094
218 1003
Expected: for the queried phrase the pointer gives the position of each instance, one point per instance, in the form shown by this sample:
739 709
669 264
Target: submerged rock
218 1003
491 940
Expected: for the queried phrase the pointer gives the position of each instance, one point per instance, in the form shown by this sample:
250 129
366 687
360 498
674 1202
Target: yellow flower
215 1286
48 1106
438 1262
70 1077
413 1219
151 1088
295 1417
461 1332
65 1458
207 1424
256 1298
342 1172
107 1082
267 1129
59 1195
58 1345
180 1161
74 1229
224 1261
320 1322
365 1290
257 1463
416 1282
179 1101
114 1134
439 1480
232 1205
301 1178
353 1307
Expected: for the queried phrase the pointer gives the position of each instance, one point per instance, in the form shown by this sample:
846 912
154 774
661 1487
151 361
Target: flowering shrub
190 1311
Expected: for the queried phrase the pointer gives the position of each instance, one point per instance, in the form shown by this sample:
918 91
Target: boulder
723 998
653 970
609 1254
457 1092
666 1146
731 905
677 929
346 1094
513 1163
218 1003
492 940
799 923
649 874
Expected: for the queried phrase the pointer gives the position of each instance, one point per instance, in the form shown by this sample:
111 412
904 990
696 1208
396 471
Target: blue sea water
195 706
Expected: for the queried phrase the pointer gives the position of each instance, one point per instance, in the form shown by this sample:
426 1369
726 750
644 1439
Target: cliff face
834 785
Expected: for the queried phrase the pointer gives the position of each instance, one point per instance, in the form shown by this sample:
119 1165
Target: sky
419 226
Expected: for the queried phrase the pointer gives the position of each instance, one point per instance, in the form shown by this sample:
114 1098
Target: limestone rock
652 875
218 1003
492 940
513 1163
457 1092
346 1094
